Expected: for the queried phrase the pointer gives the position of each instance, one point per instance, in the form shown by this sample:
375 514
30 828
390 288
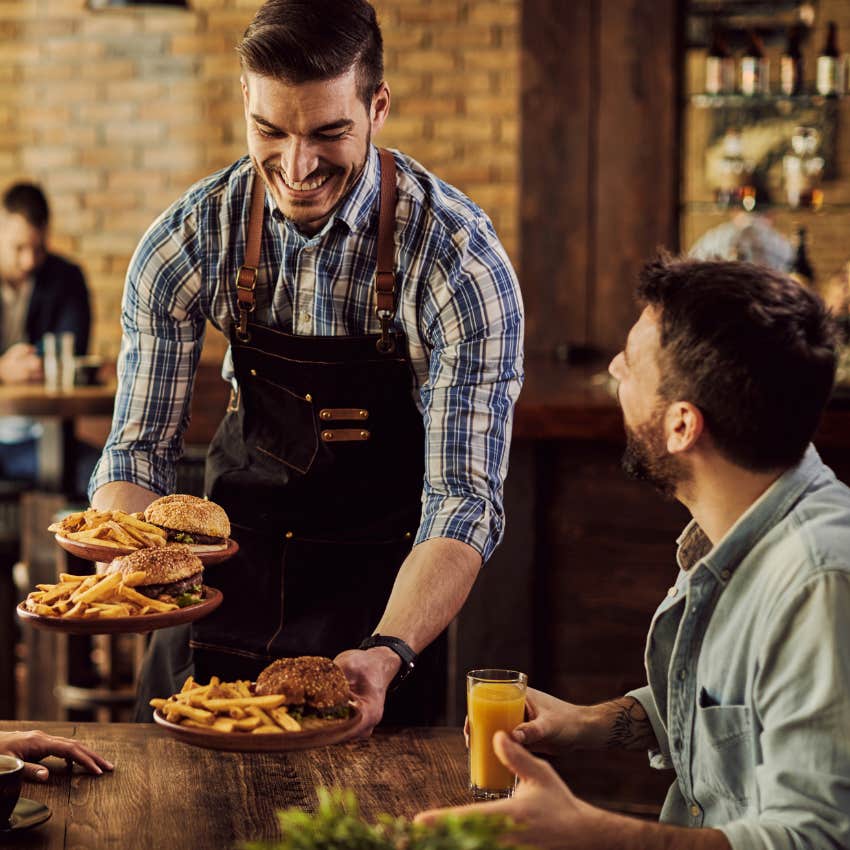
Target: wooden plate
131 625
330 732
95 552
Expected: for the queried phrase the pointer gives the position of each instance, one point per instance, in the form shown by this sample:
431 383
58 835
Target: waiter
375 328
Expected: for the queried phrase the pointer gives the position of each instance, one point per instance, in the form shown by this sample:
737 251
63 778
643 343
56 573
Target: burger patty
174 536
174 588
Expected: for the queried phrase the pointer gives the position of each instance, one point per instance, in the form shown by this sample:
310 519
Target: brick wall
116 112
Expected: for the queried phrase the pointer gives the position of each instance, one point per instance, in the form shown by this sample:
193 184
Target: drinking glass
495 702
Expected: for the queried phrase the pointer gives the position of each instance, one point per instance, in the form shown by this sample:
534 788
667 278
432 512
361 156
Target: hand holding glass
495 702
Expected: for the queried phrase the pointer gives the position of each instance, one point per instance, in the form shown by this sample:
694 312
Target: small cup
11 774
495 702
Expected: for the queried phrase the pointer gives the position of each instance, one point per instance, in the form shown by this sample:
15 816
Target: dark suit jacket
59 302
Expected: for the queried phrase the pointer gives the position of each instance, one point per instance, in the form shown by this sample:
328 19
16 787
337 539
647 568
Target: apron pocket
280 427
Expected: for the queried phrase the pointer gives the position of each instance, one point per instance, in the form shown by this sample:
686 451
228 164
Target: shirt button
673 591
695 810
683 674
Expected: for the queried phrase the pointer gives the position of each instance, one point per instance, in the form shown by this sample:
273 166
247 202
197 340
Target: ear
380 107
683 426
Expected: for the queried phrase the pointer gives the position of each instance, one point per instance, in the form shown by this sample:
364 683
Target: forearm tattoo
630 727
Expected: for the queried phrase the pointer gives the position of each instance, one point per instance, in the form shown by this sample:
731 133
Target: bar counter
164 793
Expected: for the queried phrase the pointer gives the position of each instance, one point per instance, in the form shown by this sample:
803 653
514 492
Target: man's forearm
123 496
430 588
625 833
620 724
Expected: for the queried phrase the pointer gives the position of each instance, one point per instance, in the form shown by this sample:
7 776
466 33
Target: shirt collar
355 210
771 507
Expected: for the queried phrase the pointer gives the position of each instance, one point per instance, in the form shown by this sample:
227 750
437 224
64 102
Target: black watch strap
400 648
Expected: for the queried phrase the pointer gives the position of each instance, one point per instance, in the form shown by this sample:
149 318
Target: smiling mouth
303 185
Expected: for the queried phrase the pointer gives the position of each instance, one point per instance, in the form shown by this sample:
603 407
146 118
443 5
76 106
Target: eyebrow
339 124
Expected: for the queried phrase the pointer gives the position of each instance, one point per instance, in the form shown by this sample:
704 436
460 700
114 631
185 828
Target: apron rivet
364 414
326 414
254 373
364 434
327 435
288 535
308 397
408 535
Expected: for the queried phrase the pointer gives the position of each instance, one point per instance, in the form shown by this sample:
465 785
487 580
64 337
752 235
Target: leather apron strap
385 288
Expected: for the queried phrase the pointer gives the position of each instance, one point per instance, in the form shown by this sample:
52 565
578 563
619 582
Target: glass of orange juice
495 701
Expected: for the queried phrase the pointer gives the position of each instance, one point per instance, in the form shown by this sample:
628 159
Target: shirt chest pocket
724 753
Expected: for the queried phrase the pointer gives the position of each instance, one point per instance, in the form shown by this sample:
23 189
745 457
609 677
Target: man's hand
553 726
369 673
34 746
546 812
21 365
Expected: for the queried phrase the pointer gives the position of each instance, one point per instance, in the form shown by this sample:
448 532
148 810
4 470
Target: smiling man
722 382
375 329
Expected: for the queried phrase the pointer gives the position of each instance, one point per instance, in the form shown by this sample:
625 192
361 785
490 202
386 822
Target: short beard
646 459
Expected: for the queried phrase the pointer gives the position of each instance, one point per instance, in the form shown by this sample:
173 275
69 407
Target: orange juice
492 706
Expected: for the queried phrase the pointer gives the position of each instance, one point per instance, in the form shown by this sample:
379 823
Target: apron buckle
386 342
242 332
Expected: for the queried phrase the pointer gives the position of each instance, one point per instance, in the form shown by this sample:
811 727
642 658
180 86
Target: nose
299 161
28 260
615 367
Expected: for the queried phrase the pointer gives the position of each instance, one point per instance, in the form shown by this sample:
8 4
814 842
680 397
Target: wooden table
167 794
56 411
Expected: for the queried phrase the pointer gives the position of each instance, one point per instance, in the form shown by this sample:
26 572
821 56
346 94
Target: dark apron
319 462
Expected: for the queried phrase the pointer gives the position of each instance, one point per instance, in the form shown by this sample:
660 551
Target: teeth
305 186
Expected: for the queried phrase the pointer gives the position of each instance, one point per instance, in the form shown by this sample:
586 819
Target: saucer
27 814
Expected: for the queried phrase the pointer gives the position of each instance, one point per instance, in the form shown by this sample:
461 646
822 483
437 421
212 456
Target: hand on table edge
369 673
35 745
548 815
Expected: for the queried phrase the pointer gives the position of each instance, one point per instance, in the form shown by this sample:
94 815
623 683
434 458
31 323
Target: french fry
140 599
100 588
267 730
285 720
134 579
270 701
182 710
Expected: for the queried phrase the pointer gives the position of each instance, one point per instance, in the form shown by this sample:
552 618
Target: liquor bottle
755 69
801 268
829 63
719 66
791 64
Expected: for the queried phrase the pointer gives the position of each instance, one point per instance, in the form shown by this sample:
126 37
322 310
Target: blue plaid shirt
459 306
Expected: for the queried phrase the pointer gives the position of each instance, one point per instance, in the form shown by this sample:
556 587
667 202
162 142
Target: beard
646 458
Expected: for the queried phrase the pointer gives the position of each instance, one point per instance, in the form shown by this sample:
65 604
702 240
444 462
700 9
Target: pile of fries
106 595
116 529
227 707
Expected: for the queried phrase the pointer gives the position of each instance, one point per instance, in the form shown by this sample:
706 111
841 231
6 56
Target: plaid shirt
459 306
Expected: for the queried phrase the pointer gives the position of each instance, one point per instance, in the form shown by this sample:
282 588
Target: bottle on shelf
829 64
801 268
719 66
734 185
791 63
755 68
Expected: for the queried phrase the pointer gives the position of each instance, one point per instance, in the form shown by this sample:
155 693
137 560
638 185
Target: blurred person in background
722 383
748 237
40 293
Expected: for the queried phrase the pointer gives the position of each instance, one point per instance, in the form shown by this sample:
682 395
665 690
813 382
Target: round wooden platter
104 554
330 732
140 624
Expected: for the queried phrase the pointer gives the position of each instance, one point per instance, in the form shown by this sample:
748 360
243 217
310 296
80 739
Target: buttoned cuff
471 520
658 758
144 469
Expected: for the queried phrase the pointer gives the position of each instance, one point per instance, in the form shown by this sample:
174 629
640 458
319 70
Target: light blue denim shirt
748 664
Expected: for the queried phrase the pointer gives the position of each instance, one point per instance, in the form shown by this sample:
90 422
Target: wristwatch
400 648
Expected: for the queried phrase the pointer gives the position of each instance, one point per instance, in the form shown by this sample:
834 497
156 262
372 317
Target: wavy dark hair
750 347
298 41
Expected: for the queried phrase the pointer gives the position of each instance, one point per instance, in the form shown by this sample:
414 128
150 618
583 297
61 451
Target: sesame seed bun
310 680
181 512
161 564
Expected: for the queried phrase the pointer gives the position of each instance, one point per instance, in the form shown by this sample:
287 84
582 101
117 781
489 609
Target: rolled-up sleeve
475 375
162 336
659 757
802 697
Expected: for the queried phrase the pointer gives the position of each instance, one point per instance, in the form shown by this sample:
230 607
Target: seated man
40 293
722 383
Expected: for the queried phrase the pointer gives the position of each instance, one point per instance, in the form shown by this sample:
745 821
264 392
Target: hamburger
173 573
187 519
311 685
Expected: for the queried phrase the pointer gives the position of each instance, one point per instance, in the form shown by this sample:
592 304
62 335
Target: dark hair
299 41
751 348
27 200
